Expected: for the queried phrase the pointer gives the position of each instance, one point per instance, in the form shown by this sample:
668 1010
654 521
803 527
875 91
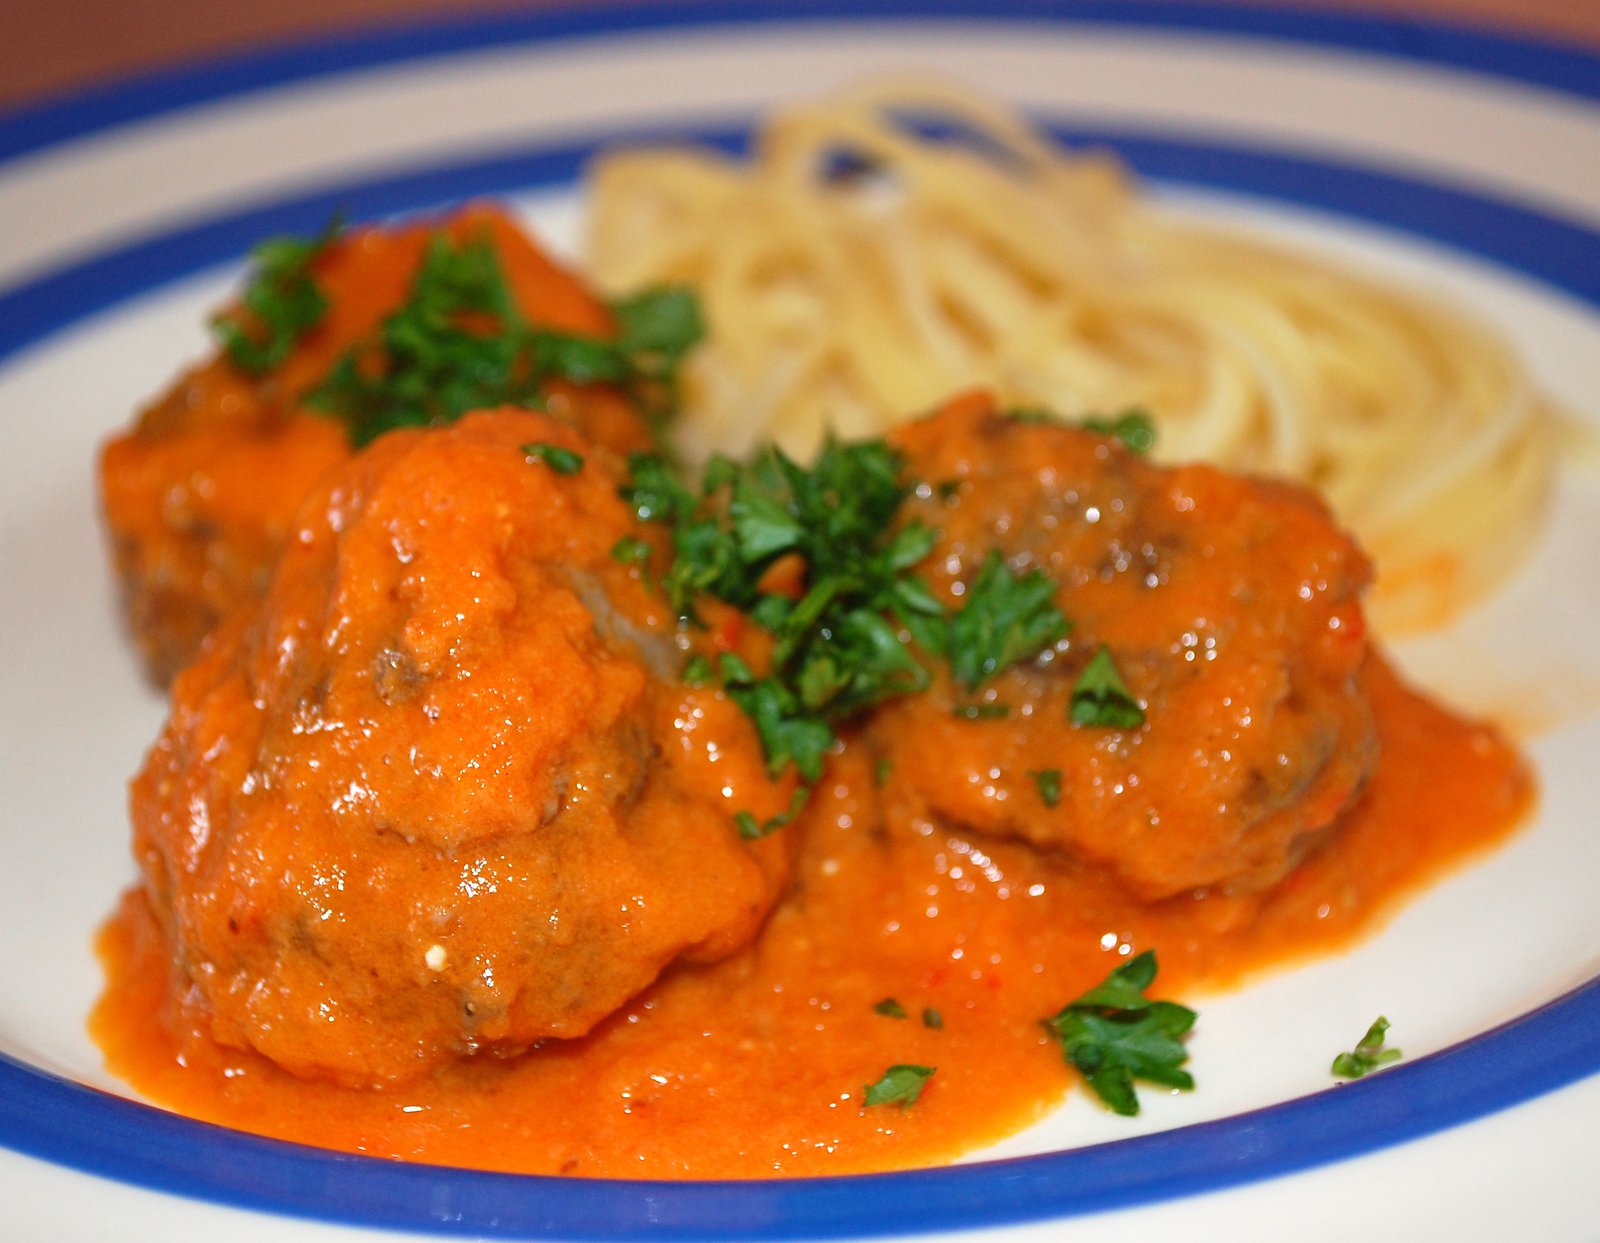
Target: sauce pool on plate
534 808
756 1066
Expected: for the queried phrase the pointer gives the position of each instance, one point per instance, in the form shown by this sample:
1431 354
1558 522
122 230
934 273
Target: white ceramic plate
1459 162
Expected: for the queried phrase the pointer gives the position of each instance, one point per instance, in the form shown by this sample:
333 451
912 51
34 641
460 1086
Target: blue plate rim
31 127
47 1116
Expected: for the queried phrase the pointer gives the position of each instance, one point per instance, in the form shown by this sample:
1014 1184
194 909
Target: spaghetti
904 239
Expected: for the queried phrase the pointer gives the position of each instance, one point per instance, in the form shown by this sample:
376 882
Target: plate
1446 159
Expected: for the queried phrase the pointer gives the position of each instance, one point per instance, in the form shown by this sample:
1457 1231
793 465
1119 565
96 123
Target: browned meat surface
441 791
200 492
1229 606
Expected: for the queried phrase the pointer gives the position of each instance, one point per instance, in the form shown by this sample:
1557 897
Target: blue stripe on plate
65 1122
1563 254
1536 62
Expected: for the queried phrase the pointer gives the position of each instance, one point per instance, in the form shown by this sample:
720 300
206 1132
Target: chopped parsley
750 828
631 550
1048 780
563 462
931 1018
1005 618
890 1009
454 345
899 1085
1134 428
789 734
697 669
657 328
841 622
281 303
1113 1035
817 558
1101 698
460 343
1368 1055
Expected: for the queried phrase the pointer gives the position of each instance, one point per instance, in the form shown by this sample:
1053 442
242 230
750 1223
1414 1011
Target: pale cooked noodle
1001 260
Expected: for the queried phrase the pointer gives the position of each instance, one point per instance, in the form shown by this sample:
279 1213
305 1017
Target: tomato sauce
199 494
433 642
755 1066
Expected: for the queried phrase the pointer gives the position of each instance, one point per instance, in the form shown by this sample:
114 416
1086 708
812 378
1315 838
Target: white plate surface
1489 944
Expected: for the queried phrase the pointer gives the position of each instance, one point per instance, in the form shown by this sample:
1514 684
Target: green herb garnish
1048 780
455 345
1368 1055
282 303
1113 1035
890 1009
563 462
841 627
697 670
1006 618
931 1018
1101 698
750 828
1134 428
658 327
789 733
631 550
900 1085
981 712
460 343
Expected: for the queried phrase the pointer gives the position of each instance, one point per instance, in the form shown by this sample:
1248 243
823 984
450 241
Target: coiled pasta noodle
865 265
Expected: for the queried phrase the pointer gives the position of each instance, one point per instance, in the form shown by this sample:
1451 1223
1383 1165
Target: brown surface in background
51 46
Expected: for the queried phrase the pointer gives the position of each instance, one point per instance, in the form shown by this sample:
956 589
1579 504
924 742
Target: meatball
200 492
1228 605
441 791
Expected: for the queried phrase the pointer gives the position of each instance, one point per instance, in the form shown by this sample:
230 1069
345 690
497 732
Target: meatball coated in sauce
442 792
199 494
1231 609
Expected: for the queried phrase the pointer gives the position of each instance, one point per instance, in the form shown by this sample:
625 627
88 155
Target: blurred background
47 48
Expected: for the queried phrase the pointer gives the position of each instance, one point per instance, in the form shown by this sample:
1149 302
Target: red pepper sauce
756 1066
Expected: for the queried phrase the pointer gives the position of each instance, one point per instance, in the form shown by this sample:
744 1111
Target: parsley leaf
631 550
697 670
840 622
750 828
1048 781
281 303
1133 427
932 1019
659 326
455 345
1101 698
655 491
890 1009
1113 1035
1006 618
899 1085
788 733
563 461
580 360
459 342
1369 1054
